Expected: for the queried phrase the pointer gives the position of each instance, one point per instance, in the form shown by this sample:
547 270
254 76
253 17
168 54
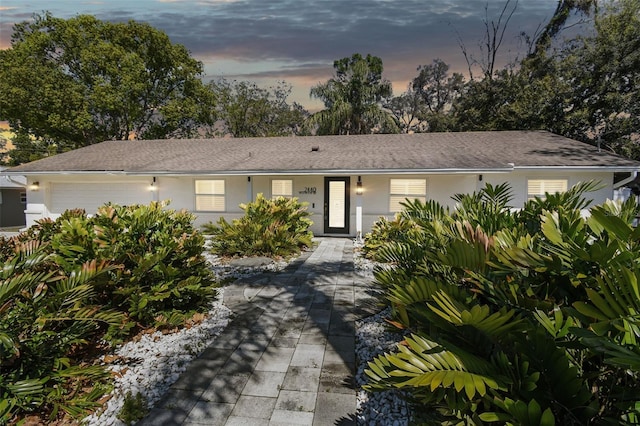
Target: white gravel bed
373 338
377 408
149 366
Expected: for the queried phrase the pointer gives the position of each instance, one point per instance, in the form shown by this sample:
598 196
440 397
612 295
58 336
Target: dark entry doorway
336 205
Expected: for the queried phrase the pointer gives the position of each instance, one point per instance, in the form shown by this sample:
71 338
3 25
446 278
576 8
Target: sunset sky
298 40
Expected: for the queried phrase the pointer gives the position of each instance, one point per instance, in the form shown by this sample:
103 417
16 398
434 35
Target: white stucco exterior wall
57 193
518 181
50 195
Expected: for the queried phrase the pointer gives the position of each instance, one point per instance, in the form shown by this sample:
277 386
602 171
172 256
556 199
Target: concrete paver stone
335 408
296 401
307 355
257 407
246 421
242 361
209 413
288 356
286 418
225 388
302 379
264 383
275 359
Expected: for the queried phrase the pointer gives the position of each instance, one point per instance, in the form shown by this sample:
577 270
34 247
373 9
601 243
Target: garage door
90 196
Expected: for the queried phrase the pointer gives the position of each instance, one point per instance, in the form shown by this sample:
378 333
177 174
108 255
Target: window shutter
210 195
402 189
210 187
409 186
214 203
538 187
281 188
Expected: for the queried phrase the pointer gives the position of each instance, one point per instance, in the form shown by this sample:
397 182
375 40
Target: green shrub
65 283
383 231
163 278
277 227
488 208
48 318
133 409
533 323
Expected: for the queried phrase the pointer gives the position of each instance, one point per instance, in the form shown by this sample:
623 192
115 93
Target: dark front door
336 205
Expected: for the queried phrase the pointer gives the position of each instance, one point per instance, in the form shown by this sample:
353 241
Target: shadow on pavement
289 354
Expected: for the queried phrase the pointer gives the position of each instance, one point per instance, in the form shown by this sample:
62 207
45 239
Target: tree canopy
425 106
587 89
246 110
81 81
70 83
353 99
603 72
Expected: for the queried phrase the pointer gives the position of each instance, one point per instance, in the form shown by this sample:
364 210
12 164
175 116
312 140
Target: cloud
301 38
198 3
323 30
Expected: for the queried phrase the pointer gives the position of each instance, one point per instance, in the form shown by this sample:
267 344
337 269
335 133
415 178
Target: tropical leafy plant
69 283
353 99
164 278
385 230
133 409
533 322
161 276
278 227
47 318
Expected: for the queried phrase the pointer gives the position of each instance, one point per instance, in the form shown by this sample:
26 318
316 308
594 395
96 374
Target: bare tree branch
494 36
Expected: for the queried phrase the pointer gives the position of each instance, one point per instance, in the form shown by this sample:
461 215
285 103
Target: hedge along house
348 181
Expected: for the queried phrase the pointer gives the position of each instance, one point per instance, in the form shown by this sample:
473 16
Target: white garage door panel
91 196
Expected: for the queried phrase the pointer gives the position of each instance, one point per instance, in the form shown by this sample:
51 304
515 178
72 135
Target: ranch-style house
347 181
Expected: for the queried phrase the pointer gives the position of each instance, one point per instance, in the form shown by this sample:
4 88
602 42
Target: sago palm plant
44 316
532 328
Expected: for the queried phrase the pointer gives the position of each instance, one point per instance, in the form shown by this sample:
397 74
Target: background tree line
70 83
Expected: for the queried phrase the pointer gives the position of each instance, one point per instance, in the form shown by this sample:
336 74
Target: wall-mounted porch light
153 186
359 189
35 186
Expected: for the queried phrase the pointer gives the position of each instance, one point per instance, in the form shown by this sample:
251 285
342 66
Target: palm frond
496 324
425 364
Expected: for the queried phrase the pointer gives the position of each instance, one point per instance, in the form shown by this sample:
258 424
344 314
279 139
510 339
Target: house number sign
308 190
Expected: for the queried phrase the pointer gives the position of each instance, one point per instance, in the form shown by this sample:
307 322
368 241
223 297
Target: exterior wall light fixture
153 186
359 189
35 186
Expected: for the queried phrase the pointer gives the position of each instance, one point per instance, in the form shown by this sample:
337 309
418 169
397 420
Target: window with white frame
538 187
281 188
401 189
210 195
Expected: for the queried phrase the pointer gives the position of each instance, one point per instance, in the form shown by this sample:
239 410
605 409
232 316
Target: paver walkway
288 357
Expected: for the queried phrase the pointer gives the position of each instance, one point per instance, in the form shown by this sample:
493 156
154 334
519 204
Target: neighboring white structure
211 177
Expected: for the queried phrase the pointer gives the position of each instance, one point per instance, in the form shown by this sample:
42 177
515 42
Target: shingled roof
362 154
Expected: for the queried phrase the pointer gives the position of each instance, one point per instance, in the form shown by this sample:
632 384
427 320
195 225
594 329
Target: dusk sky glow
298 40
